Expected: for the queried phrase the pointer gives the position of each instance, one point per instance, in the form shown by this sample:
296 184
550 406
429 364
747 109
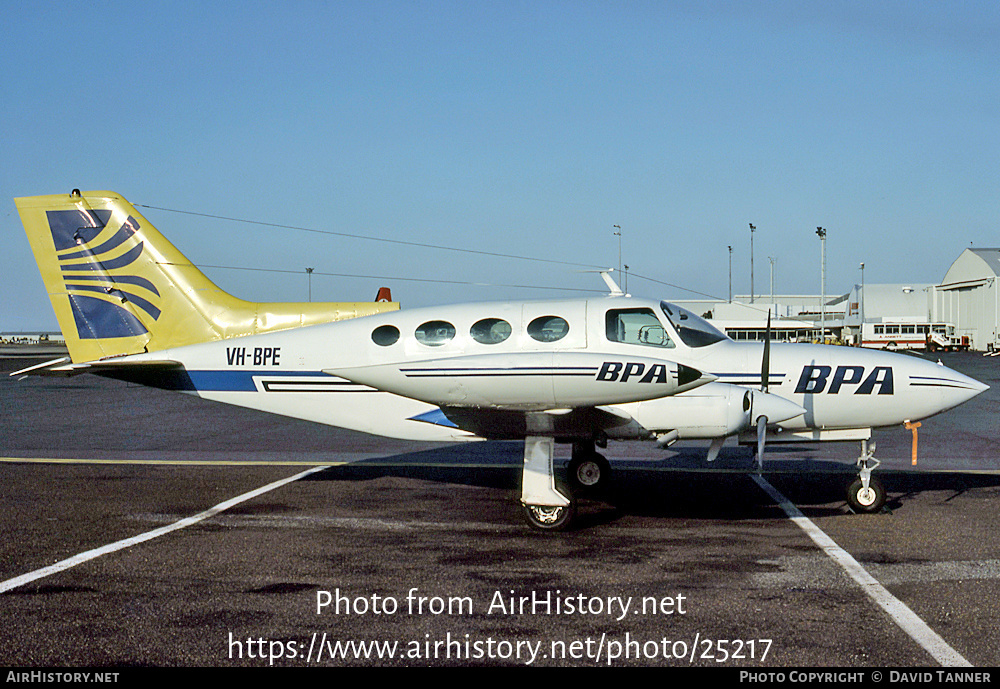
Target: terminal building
961 312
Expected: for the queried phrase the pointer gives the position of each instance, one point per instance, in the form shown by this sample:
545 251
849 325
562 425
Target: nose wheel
870 498
866 494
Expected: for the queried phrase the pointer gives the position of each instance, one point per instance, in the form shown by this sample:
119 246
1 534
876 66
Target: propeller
761 408
765 377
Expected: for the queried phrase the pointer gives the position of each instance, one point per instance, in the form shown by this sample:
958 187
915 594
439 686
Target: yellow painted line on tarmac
364 461
170 462
360 463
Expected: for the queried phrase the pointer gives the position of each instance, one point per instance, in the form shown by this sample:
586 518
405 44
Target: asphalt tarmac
407 554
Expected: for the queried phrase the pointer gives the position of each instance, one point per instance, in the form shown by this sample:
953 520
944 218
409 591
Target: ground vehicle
910 334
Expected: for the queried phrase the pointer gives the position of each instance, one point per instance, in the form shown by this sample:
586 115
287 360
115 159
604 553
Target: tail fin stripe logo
118 279
69 228
108 264
97 319
116 312
121 236
143 304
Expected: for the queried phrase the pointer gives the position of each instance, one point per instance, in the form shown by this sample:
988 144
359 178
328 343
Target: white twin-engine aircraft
132 307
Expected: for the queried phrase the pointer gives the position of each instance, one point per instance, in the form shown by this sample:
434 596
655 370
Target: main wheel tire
867 500
546 518
589 473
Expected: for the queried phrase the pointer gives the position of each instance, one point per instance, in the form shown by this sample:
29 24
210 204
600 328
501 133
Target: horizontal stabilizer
63 367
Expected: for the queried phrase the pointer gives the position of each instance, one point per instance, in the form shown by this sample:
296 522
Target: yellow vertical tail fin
119 287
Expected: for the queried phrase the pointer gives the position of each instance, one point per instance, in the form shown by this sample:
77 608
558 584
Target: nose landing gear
866 494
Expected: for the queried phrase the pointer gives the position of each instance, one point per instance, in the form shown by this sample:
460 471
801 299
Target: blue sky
528 129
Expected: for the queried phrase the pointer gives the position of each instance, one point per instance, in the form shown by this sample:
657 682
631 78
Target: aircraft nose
953 387
975 387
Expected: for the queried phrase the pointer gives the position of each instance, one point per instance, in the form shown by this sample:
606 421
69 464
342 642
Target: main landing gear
549 508
588 472
866 493
545 506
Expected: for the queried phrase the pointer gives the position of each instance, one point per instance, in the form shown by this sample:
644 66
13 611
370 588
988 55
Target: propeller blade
713 450
765 379
765 366
761 435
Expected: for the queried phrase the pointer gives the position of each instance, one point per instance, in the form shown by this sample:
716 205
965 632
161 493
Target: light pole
752 228
730 274
309 277
822 242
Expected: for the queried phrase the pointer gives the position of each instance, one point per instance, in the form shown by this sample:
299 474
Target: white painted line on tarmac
908 620
149 535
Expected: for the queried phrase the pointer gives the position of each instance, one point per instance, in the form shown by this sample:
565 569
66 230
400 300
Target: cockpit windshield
693 330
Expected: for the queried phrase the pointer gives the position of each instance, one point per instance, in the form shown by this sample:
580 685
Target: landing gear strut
544 506
866 494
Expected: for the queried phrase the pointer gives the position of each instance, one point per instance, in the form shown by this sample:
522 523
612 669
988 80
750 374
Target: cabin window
636 326
548 328
385 335
490 331
435 333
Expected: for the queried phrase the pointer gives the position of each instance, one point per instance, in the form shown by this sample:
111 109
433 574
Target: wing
502 424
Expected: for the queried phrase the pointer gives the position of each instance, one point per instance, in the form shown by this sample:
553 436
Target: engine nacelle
712 411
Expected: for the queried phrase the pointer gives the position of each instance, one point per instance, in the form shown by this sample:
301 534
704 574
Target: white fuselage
392 374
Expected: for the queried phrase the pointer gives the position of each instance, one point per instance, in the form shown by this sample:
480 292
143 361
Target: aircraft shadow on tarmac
682 486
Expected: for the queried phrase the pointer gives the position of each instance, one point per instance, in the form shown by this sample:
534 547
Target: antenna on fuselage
616 291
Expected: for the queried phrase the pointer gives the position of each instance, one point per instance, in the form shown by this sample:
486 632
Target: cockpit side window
636 326
693 330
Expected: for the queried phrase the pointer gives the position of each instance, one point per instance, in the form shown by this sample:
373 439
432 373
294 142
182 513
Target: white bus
912 335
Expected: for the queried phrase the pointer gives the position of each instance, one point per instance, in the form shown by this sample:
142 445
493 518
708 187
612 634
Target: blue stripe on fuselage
203 381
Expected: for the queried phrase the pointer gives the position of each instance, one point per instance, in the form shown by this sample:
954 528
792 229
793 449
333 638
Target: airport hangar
967 298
